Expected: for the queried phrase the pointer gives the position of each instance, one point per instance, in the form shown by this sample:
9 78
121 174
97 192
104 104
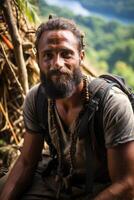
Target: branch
18 51
13 73
11 128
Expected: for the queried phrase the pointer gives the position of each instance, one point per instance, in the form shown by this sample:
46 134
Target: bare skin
59 49
121 169
22 172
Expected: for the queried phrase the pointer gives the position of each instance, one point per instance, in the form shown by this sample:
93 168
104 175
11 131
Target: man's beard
60 85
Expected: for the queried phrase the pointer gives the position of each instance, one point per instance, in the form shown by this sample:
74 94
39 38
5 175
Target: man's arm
121 170
21 174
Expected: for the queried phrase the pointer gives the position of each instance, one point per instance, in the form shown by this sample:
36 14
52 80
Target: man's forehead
57 36
55 40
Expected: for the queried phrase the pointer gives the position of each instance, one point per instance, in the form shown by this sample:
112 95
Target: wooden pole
16 40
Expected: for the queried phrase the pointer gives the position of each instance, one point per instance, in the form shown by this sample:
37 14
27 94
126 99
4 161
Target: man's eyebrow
60 49
55 40
66 49
46 51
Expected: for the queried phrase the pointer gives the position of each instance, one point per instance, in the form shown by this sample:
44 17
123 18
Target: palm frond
29 9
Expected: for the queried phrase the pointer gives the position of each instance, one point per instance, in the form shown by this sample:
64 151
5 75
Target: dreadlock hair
59 23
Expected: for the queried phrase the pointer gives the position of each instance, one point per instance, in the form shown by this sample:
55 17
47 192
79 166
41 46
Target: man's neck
74 100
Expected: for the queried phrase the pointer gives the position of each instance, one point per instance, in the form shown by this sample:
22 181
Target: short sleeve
29 111
118 119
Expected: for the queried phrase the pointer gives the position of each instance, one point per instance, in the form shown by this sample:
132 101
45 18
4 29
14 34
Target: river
78 9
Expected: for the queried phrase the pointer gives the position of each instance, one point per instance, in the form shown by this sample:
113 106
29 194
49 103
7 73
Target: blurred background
109 32
108 26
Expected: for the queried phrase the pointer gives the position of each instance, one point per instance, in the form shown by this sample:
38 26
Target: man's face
59 61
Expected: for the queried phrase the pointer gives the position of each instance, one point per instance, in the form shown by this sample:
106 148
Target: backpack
99 89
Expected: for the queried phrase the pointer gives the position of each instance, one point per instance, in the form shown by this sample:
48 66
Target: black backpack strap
99 89
41 107
118 80
89 164
120 83
42 117
96 88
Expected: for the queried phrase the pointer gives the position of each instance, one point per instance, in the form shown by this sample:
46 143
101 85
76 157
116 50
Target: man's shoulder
31 95
95 85
33 90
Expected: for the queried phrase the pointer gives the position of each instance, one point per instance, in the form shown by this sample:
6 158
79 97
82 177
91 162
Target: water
78 9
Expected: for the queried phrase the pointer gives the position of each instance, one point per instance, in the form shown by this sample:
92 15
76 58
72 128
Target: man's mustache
59 71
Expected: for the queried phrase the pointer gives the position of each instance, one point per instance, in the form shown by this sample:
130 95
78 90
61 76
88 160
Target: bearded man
64 95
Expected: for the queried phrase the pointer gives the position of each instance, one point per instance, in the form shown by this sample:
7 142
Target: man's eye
48 56
66 54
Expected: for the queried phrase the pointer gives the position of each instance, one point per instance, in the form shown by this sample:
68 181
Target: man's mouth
54 73
57 73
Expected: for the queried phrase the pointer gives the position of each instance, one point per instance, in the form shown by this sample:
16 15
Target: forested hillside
121 8
109 44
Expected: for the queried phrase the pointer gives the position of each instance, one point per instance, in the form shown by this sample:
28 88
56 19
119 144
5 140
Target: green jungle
109 44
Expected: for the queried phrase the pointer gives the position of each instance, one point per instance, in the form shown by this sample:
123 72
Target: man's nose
58 61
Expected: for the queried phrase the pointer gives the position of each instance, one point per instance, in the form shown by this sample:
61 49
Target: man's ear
82 55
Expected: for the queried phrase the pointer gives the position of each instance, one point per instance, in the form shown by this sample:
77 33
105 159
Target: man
60 52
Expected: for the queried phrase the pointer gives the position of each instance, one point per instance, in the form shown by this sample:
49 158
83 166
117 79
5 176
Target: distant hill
109 45
119 8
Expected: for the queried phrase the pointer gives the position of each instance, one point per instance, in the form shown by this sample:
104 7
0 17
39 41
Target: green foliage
122 69
123 51
30 10
121 8
2 142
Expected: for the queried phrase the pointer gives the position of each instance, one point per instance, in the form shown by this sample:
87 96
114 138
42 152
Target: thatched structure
18 71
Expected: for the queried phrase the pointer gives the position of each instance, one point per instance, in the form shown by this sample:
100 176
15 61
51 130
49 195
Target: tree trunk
16 40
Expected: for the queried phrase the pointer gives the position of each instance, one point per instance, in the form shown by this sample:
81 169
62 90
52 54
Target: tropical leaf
30 10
